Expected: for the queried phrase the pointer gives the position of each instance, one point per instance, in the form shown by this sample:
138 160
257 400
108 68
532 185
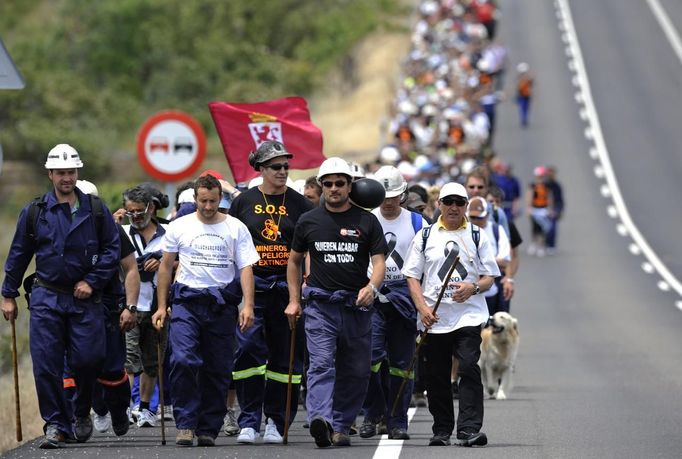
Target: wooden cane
160 365
287 411
422 337
15 367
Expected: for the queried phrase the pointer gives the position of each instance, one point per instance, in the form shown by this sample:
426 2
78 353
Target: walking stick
15 367
287 411
163 405
422 337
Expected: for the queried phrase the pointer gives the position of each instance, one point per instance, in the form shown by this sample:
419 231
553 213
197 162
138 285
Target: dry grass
32 424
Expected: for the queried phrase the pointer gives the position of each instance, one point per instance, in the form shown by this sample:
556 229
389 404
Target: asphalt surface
598 373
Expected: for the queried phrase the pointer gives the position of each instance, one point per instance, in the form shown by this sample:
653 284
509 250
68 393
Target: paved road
598 374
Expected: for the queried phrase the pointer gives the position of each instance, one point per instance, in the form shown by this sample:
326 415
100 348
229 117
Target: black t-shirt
515 237
271 220
115 286
340 245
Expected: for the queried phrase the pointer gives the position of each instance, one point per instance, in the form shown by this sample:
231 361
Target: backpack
416 221
475 235
39 204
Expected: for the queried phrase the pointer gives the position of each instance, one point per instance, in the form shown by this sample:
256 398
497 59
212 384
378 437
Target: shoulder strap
426 231
96 208
476 236
37 205
416 221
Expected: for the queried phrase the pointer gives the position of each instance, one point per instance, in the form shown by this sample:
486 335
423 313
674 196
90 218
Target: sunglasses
278 167
338 183
138 214
457 200
475 187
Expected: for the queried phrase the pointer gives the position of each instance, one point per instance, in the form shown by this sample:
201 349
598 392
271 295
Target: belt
54 287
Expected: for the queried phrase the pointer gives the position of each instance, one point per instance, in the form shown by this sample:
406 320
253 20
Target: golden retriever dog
499 345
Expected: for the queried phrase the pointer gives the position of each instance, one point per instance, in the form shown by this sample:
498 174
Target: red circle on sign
192 124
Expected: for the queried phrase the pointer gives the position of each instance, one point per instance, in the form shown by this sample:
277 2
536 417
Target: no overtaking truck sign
171 146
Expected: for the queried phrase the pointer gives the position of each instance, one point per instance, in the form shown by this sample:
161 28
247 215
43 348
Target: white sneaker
146 419
134 413
230 426
167 411
271 434
102 423
247 436
129 412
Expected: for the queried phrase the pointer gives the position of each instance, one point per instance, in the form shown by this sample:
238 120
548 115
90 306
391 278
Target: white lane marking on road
390 449
667 26
578 64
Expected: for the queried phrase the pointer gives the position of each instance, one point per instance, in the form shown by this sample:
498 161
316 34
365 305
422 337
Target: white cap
453 189
86 187
186 196
522 67
63 156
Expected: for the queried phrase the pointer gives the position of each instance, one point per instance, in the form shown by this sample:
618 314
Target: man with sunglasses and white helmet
75 258
394 323
340 239
456 327
146 235
270 211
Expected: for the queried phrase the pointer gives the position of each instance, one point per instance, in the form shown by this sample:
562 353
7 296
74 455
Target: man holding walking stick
456 328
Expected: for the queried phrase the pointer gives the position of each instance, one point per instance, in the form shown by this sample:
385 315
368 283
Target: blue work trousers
62 325
338 338
202 343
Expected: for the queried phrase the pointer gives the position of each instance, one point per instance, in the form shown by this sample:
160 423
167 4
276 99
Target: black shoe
119 423
368 429
471 439
397 433
83 429
53 437
321 432
440 439
205 440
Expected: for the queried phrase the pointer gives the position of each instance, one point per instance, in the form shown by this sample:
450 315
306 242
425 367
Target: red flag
243 127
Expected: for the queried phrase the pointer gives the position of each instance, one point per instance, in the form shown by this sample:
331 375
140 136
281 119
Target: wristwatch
374 290
477 288
132 308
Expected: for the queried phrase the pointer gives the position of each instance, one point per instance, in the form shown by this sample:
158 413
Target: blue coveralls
203 325
338 335
67 250
394 328
261 371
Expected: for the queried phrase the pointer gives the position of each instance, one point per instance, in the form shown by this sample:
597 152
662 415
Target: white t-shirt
210 255
442 246
144 300
398 233
502 249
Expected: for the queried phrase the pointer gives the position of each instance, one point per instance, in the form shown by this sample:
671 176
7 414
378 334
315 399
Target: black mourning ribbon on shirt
451 252
392 241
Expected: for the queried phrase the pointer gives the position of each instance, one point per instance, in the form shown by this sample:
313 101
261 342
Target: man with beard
74 261
146 235
216 254
270 211
341 239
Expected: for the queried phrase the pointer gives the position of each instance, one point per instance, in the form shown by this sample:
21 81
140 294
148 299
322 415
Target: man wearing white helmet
74 261
394 322
341 239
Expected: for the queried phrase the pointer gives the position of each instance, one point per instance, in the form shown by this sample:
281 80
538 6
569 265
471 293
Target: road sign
10 78
171 146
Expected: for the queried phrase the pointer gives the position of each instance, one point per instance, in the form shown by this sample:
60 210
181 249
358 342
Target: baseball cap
453 189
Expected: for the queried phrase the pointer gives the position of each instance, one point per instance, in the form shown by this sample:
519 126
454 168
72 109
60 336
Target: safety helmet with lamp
334 165
392 181
63 156
356 169
266 151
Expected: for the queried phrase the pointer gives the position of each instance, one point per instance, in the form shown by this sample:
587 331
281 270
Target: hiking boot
247 436
205 440
102 423
340 439
119 423
320 430
467 438
185 437
271 434
53 438
83 429
166 411
440 439
230 425
397 433
368 429
146 419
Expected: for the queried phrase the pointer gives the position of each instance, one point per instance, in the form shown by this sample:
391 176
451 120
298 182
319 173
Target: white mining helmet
87 187
334 165
392 181
63 156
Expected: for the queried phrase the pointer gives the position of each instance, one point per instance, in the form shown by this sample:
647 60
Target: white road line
578 64
390 449
667 26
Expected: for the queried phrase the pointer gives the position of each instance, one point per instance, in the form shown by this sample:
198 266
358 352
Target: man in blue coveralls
73 264
340 238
